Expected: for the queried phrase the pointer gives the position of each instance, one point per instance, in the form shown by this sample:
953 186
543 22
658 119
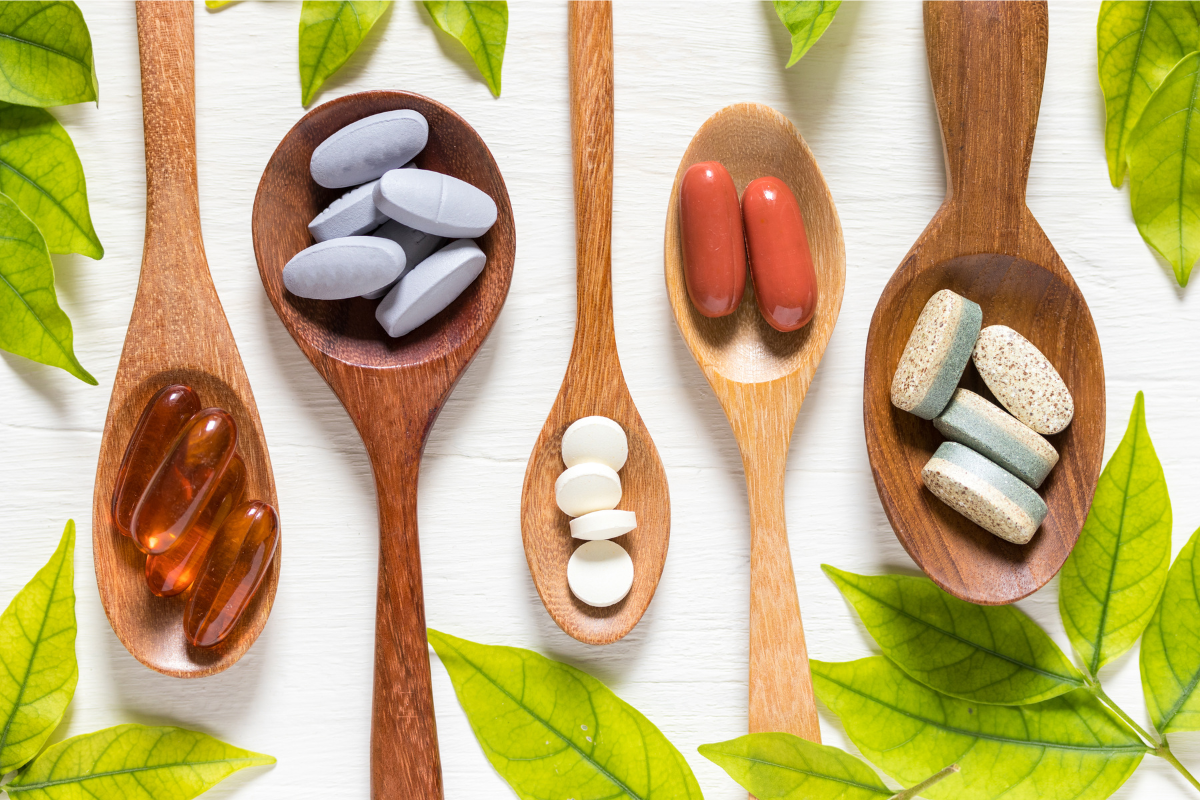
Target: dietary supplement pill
1023 380
984 492
417 246
600 573
364 150
342 268
937 352
607 524
435 203
595 439
714 247
785 281
990 431
587 487
430 287
351 214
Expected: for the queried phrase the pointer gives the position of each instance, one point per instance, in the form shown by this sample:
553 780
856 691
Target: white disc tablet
585 488
600 573
595 439
603 524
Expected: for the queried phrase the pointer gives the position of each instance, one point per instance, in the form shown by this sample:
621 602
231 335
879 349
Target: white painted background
860 97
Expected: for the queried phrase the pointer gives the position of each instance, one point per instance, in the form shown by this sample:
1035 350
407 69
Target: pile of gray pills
399 233
994 459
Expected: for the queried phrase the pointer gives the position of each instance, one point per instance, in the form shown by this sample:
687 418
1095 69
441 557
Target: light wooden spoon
594 384
987 61
177 334
760 376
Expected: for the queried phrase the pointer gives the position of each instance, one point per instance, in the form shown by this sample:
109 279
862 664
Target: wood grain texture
393 390
594 383
177 334
760 376
987 61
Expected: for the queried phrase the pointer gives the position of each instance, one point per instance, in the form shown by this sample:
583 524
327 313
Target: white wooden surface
861 98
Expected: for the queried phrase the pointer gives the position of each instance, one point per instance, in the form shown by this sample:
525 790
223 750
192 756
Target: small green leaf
31 323
781 766
1171 648
40 170
989 654
215 4
46 53
132 762
330 32
38 671
1112 580
1066 748
481 27
805 20
1137 43
551 730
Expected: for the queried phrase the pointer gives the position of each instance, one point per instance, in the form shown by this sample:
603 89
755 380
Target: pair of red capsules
179 497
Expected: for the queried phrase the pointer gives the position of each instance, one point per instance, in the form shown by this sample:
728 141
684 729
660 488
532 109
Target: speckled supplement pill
1023 380
937 352
983 492
342 268
351 214
990 431
364 150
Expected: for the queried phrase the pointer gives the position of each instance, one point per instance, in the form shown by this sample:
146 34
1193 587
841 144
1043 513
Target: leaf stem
1164 751
912 792
1096 689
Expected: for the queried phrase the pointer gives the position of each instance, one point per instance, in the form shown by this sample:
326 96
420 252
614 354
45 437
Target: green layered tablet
988 430
984 492
937 352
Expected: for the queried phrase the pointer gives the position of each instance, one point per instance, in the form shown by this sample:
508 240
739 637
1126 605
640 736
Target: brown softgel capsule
785 282
714 249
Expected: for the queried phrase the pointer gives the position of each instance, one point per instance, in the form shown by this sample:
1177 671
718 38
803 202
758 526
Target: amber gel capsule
185 480
162 420
714 250
785 282
175 570
236 565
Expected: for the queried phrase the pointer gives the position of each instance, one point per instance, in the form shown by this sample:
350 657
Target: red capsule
175 570
184 481
162 420
714 249
236 566
785 282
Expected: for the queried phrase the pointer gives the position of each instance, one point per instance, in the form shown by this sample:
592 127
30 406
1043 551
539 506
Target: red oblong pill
785 282
714 249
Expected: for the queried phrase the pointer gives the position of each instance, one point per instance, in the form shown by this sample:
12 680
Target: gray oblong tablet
341 268
435 203
351 214
984 492
937 352
990 431
364 150
417 246
430 287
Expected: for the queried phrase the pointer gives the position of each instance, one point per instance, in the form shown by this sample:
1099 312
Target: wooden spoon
760 376
393 390
594 384
177 334
987 61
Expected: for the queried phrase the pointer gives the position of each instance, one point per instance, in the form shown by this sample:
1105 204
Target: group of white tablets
600 572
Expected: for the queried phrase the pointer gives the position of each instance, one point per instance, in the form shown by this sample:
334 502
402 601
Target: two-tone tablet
988 430
984 492
937 352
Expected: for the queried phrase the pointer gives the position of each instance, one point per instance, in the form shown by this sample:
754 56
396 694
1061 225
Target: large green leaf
1066 748
40 170
132 762
552 731
989 654
1171 648
1164 168
781 766
38 671
1137 43
46 55
481 27
31 323
1112 580
805 20
330 32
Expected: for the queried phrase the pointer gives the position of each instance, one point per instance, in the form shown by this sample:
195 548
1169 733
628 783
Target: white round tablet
585 488
603 524
595 439
600 573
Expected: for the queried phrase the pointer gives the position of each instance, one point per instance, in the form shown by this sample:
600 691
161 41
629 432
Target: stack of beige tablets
994 461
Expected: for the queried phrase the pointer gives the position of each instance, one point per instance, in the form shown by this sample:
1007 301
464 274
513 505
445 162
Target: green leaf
215 4
38 671
132 762
1112 580
45 55
551 730
330 32
31 323
1170 656
1066 748
781 766
989 654
40 170
1137 43
482 27
806 21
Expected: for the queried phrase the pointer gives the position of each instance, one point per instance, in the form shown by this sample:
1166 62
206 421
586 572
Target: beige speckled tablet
984 493
937 352
1023 380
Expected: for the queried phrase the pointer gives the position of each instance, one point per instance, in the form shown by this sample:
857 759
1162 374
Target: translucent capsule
237 562
175 570
184 481
164 417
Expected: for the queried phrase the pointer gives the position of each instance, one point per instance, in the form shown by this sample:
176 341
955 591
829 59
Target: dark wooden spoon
987 61
393 390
